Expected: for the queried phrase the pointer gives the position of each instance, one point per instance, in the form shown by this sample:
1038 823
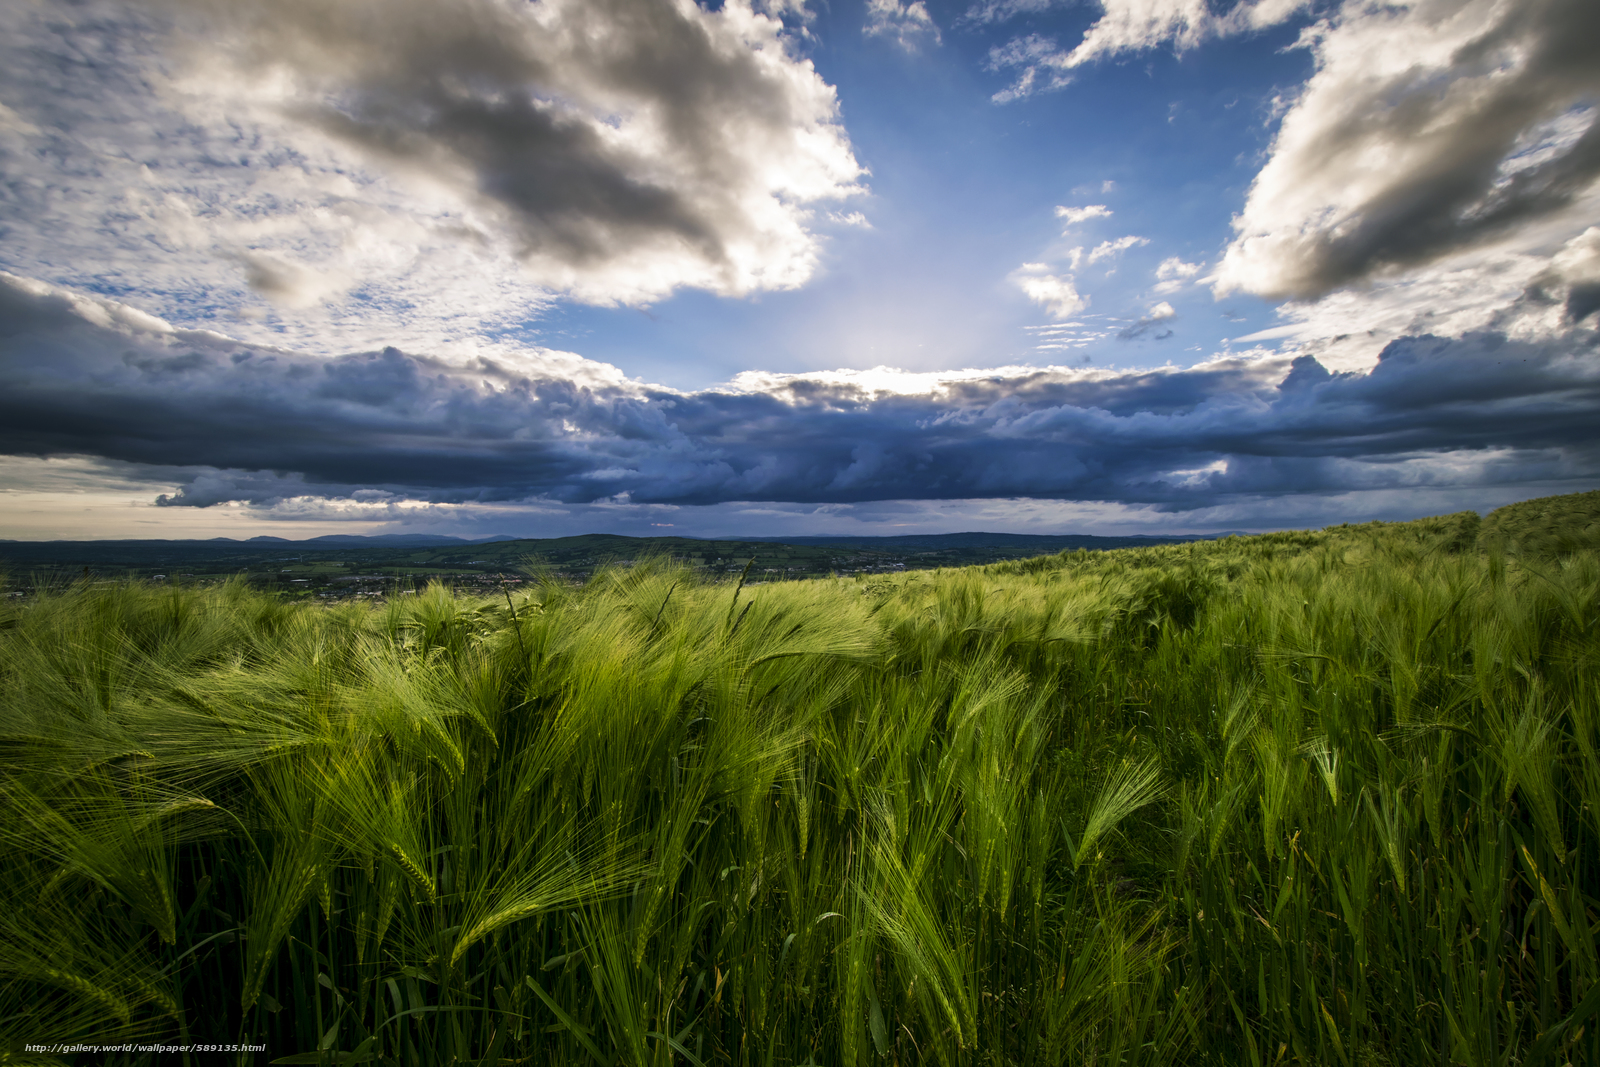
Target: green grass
1548 528
1314 798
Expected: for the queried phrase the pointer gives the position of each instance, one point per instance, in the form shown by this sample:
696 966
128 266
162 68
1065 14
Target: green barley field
1321 798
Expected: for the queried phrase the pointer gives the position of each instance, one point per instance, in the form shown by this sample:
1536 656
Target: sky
792 267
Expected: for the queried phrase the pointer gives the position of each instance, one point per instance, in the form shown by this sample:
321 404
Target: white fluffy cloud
323 171
1107 249
1173 274
906 24
853 219
1528 296
1173 268
1072 216
987 11
1057 295
1125 26
1428 128
1152 319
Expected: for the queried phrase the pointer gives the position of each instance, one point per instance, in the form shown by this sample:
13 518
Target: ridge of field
338 564
1037 544
1547 527
1314 797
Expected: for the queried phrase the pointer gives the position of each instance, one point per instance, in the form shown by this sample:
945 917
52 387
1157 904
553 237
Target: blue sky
783 266
964 190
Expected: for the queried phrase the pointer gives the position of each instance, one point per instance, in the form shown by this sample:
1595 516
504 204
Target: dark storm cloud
87 377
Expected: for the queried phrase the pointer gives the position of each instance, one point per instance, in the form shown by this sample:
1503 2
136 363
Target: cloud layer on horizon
228 421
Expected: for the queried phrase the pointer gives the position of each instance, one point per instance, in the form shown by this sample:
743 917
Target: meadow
1321 798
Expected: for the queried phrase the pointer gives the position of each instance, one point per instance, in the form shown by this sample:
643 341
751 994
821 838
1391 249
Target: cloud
77 475
289 284
1173 274
101 504
1532 296
324 170
1055 294
1159 312
1128 26
1173 268
1428 128
1036 55
854 219
1107 249
1058 339
226 421
1577 267
1137 25
994 11
786 9
1072 216
908 25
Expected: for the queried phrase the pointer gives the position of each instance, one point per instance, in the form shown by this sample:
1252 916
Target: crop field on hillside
1324 798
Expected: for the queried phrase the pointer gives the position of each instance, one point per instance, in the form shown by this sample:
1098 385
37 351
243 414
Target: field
347 567
1321 798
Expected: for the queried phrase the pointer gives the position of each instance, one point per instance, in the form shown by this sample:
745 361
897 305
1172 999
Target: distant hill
338 561
341 540
402 540
341 564
1547 527
616 545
